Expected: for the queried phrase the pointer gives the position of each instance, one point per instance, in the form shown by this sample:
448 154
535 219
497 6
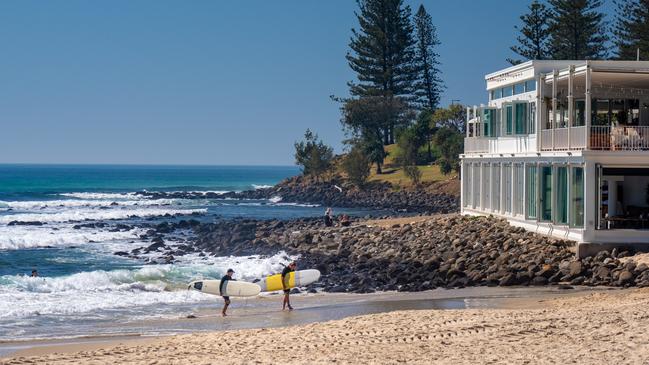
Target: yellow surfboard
293 279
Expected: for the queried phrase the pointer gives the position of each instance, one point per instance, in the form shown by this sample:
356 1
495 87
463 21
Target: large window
495 197
507 91
509 118
530 85
489 120
577 197
545 188
521 117
519 188
507 188
519 88
531 191
561 215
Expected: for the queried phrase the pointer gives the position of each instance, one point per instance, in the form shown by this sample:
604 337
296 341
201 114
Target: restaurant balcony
600 138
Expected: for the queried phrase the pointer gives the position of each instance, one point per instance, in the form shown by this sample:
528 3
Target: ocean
64 221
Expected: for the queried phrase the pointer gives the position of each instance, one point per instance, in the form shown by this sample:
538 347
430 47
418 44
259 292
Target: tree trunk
430 153
378 169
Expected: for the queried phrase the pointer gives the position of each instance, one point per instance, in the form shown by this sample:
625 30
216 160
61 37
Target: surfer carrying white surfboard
226 299
286 286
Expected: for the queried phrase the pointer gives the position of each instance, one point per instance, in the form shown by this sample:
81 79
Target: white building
562 148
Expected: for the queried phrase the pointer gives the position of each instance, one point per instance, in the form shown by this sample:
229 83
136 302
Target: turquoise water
22 181
83 286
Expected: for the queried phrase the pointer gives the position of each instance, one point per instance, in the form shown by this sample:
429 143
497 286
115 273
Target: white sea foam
197 192
257 187
73 203
19 237
275 199
297 205
86 195
94 291
94 214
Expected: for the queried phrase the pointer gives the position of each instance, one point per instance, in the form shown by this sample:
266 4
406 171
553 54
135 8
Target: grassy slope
394 174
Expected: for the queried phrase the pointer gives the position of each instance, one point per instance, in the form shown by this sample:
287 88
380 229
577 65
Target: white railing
546 140
476 144
620 138
561 141
578 138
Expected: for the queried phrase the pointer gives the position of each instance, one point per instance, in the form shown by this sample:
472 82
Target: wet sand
264 312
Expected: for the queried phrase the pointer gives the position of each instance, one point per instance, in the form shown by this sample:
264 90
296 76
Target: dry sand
598 328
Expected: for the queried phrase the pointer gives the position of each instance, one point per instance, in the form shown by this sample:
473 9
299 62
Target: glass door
561 188
546 192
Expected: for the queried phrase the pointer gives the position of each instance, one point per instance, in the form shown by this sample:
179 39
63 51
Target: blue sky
203 82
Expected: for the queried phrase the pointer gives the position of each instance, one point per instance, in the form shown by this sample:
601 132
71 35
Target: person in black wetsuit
285 284
224 279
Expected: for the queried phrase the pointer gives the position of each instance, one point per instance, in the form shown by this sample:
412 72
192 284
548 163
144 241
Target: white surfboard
296 278
231 288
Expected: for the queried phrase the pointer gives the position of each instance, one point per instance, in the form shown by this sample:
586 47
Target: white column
481 187
555 76
468 117
590 200
502 188
570 101
540 110
587 106
476 126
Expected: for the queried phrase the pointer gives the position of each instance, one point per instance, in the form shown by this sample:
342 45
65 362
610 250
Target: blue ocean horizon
57 178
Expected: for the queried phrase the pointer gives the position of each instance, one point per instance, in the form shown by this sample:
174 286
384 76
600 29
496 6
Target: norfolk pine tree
534 34
577 30
382 55
631 29
428 86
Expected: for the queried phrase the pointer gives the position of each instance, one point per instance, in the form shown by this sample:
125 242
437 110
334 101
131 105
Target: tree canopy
577 30
313 155
382 56
428 85
631 29
533 40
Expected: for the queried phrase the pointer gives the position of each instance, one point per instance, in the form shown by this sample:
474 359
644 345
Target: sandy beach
596 327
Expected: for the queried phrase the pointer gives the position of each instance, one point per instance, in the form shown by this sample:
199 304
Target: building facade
562 148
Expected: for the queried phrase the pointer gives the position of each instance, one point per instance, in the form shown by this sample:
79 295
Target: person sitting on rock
285 284
328 218
345 221
226 299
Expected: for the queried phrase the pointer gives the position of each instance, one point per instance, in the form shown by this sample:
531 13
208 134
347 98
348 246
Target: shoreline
310 308
593 326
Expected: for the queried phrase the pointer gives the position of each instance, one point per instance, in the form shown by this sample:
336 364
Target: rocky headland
337 192
408 254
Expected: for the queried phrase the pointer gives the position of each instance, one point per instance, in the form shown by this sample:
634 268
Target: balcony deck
600 138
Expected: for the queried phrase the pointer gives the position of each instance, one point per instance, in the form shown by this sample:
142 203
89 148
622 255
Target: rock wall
443 251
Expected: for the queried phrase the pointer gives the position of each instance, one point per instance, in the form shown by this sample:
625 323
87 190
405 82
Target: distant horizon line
136 164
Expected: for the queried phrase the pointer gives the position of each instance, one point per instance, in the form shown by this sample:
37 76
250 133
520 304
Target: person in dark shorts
285 283
34 273
226 299
329 217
